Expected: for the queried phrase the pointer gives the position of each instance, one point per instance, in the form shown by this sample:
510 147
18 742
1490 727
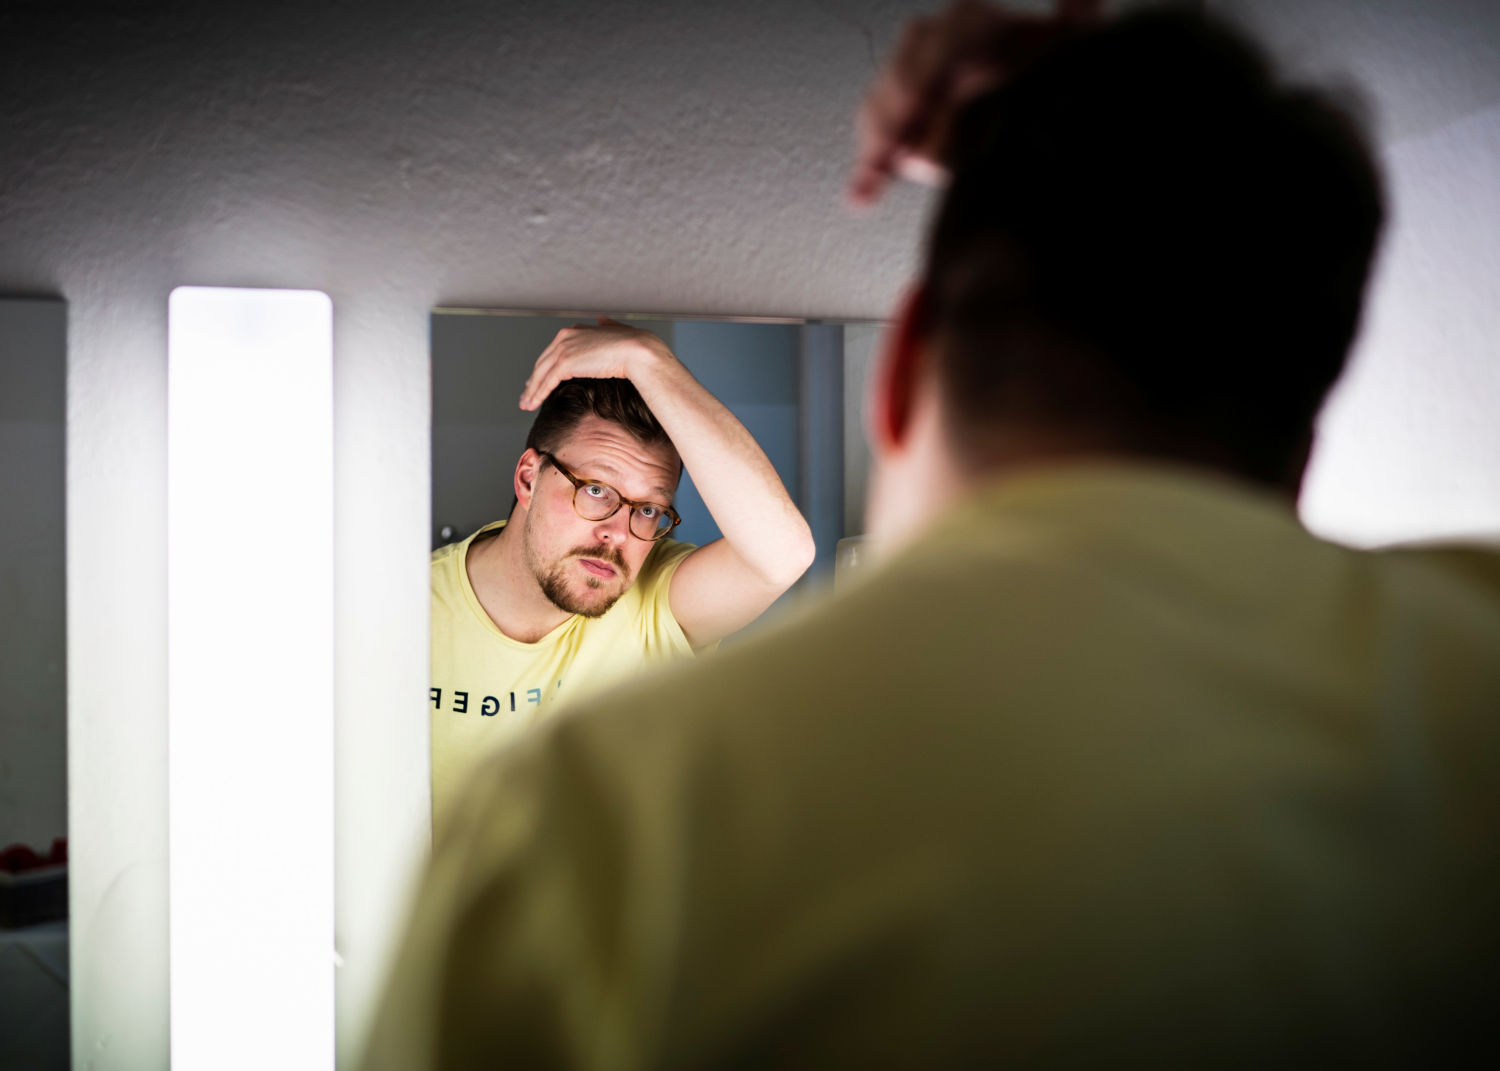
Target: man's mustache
604 553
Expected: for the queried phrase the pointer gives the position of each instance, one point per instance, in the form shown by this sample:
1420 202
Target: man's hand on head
941 62
766 544
606 350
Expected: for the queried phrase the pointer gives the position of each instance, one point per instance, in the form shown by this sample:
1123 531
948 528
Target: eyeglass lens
595 502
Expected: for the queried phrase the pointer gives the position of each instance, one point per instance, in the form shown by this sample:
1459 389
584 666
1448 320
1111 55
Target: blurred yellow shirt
487 687
1115 765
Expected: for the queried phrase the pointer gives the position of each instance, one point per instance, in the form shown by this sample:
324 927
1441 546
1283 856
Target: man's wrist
655 365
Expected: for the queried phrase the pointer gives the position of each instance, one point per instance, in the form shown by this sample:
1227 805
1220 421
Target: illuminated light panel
250 678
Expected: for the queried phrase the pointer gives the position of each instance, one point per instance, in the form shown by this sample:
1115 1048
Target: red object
33 887
19 858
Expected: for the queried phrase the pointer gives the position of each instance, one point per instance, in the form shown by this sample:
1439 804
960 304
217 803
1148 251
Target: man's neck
508 590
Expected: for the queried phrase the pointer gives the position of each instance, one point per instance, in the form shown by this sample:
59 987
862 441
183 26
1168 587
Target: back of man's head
1151 242
615 400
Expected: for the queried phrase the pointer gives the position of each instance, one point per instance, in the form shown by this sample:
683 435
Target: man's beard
555 586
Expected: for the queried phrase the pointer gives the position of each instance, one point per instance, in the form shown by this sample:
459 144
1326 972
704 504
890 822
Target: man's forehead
604 451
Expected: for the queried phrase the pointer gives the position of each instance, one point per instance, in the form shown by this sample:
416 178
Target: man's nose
614 528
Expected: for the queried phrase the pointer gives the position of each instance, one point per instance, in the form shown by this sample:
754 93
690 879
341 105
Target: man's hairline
668 493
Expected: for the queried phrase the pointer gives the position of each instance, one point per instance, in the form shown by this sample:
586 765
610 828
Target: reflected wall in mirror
797 385
33 686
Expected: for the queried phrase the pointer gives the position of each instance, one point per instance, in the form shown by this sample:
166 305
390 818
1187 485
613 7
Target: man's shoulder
1473 564
448 551
668 551
643 613
1451 588
447 576
662 562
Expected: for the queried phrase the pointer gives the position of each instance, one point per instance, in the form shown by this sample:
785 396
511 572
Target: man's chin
597 608
594 600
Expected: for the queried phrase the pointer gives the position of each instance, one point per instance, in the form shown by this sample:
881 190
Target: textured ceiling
672 155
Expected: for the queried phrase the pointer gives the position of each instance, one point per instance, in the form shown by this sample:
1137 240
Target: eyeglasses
595 501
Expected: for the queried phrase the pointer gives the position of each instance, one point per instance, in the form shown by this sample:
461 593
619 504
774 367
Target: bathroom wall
1409 447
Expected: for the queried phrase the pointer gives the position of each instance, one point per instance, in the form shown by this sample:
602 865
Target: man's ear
527 470
902 355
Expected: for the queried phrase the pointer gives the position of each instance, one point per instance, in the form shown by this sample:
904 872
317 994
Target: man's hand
606 350
941 62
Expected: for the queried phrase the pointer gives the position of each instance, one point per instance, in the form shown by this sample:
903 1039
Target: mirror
797 385
33 686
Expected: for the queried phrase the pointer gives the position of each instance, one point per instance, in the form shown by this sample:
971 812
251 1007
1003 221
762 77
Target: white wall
1409 443
682 157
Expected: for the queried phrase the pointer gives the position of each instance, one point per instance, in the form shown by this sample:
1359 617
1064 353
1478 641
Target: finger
918 74
880 125
904 119
905 124
542 382
530 398
920 169
874 152
922 66
548 374
885 112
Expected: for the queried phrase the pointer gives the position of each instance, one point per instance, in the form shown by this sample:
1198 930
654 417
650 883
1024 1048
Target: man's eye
649 512
596 490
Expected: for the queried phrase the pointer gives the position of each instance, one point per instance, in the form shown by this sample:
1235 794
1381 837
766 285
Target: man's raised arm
767 544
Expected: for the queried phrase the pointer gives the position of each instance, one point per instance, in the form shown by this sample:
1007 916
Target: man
581 586
1110 762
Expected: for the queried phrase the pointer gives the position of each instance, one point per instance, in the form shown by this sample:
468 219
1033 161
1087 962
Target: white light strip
250 678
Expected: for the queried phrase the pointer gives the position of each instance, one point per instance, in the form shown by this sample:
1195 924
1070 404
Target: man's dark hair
614 400
1147 235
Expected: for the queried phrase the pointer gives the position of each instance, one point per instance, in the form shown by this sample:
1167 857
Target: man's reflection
582 583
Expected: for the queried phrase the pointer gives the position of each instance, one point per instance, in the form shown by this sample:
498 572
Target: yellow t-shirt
487 687
1114 766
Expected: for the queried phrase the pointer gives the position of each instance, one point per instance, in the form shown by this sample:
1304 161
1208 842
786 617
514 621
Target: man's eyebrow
607 473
